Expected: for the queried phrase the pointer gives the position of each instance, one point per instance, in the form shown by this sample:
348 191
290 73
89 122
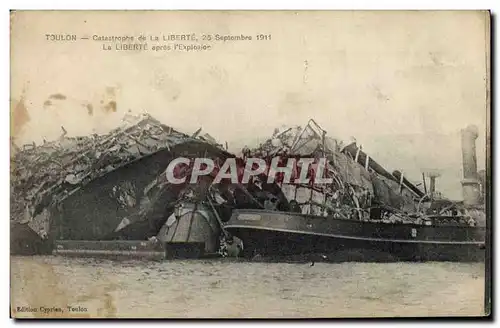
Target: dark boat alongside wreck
271 233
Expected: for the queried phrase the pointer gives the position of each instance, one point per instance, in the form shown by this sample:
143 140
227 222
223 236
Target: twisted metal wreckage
84 187
113 186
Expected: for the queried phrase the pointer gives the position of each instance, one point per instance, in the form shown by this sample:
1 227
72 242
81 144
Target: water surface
230 288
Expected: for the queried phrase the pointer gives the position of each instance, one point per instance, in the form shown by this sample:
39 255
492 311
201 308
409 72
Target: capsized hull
271 233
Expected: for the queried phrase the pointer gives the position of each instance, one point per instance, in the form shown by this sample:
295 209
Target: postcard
250 164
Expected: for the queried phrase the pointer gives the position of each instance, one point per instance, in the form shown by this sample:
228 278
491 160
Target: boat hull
270 233
194 225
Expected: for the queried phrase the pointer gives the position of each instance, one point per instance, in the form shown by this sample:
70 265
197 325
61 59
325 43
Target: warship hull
270 233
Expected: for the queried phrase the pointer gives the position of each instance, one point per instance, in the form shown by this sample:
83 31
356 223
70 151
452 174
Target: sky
402 83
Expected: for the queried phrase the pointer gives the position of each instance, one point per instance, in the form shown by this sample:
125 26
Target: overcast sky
403 84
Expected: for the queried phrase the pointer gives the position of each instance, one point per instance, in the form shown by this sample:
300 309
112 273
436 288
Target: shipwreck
110 195
367 213
100 187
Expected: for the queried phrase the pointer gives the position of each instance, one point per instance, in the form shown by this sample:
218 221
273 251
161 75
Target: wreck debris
360 185
44 175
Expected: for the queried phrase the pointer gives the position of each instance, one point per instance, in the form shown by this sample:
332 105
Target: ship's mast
423 181
432 175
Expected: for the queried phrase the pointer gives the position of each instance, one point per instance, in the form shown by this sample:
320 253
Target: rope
226 234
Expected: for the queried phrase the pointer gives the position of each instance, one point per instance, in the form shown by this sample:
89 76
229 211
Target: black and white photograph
250 164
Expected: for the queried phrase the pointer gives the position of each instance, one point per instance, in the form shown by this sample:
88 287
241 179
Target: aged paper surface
403 91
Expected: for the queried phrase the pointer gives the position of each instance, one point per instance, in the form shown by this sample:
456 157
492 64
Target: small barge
271 233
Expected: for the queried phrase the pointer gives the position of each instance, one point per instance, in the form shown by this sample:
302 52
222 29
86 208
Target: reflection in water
231 288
